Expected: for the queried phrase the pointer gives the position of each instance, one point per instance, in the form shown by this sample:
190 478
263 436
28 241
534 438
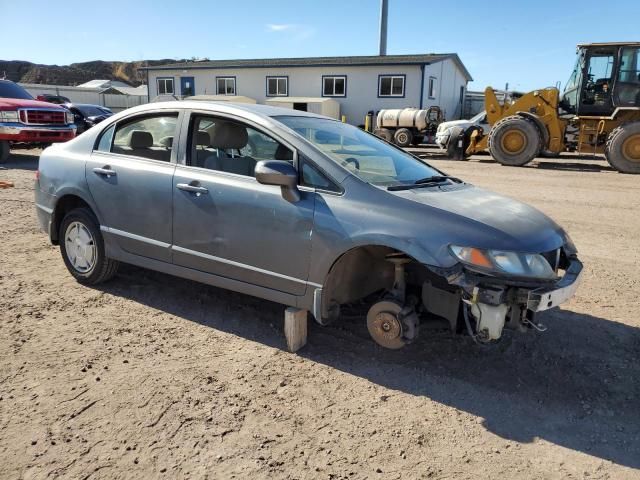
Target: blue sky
529 44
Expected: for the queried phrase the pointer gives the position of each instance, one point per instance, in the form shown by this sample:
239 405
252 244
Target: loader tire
383 133
623 148
515 141
4 151
403 137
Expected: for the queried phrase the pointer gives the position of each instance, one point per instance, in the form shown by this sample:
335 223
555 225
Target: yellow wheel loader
598 112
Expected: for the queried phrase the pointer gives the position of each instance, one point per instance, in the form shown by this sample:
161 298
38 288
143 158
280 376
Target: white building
358 84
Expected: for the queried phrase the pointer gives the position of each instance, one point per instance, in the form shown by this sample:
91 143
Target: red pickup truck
28 122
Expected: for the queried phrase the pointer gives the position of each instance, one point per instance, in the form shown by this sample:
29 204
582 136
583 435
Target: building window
277 86
226 85
165 86
433 83
334 86
391 85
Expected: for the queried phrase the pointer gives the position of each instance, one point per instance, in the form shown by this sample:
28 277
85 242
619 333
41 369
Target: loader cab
605 76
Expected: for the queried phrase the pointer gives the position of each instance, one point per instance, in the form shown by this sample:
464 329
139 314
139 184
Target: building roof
104 84
318 62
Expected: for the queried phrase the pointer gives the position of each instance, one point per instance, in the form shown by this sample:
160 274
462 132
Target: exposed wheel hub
386 327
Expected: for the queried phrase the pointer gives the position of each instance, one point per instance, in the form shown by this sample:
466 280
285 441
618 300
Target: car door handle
188 187
106 171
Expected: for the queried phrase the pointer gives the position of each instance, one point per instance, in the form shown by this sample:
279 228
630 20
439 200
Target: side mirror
281 173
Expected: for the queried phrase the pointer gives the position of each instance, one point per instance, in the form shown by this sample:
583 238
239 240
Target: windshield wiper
426 181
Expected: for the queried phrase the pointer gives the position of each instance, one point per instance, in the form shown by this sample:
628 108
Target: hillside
77 73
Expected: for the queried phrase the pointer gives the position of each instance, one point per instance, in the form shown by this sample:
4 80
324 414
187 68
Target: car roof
265 111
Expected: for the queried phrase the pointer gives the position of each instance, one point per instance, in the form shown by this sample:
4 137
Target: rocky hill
77 73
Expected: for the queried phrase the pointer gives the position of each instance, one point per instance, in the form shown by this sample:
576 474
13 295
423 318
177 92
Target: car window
312 177
146 137
363 154
104 145
229 146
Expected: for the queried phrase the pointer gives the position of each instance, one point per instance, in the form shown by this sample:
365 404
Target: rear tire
515 141
403 137
4 151
82 248
623 148
383 133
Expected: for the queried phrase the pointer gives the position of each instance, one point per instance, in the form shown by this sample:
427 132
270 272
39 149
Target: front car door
130 178
225 222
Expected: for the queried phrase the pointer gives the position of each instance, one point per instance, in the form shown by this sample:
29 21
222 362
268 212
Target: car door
130 178
225 222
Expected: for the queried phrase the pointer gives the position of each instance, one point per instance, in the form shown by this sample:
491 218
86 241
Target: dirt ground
151 376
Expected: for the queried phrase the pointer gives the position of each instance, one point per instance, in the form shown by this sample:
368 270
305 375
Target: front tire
623 148
82 248
515 141
4 151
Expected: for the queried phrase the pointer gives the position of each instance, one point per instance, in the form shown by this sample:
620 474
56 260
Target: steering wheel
355 162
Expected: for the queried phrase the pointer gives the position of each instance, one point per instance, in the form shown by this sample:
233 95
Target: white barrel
403 118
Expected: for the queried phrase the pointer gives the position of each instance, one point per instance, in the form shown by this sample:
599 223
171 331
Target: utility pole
384 11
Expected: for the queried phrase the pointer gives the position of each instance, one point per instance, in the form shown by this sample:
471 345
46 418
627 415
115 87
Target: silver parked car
303 210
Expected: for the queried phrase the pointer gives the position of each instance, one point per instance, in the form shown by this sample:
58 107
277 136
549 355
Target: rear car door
225 222
130 178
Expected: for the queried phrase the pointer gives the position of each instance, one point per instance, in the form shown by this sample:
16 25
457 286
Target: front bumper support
545 298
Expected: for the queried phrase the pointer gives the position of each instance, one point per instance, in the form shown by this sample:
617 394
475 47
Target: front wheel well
362 271
63 206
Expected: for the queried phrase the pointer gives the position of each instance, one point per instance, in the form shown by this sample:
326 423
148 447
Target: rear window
11 90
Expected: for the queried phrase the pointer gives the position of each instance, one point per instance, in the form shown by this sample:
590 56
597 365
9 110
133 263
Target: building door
187 86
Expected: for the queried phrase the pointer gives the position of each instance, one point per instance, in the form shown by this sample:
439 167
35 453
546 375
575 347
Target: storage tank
403 117
408 126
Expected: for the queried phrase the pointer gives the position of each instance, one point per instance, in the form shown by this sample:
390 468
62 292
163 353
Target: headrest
140 139
283 153
166 142
229 135
202 139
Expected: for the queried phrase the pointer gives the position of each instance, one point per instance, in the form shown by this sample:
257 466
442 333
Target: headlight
69 118
504 262
9 116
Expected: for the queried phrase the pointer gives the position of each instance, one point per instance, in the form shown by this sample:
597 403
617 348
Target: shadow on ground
22 160
576 386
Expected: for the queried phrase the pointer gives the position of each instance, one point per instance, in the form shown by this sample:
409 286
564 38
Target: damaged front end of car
501 289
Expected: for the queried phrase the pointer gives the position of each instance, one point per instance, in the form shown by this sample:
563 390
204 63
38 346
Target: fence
94 96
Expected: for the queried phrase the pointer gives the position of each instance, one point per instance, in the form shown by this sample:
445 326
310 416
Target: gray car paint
286 260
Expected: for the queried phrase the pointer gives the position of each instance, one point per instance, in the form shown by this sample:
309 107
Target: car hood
453 123
12 103
470 216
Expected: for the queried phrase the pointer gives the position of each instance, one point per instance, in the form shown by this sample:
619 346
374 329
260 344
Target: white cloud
279 27
297 31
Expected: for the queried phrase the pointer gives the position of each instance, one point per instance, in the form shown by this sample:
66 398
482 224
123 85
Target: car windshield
11 90
90 110
366 156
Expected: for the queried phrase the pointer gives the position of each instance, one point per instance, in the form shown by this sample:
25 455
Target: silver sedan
303 210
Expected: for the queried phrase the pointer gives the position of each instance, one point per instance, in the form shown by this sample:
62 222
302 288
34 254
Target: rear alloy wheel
515 141
623 148
383 133
385 325
4 151
82 248
403 137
